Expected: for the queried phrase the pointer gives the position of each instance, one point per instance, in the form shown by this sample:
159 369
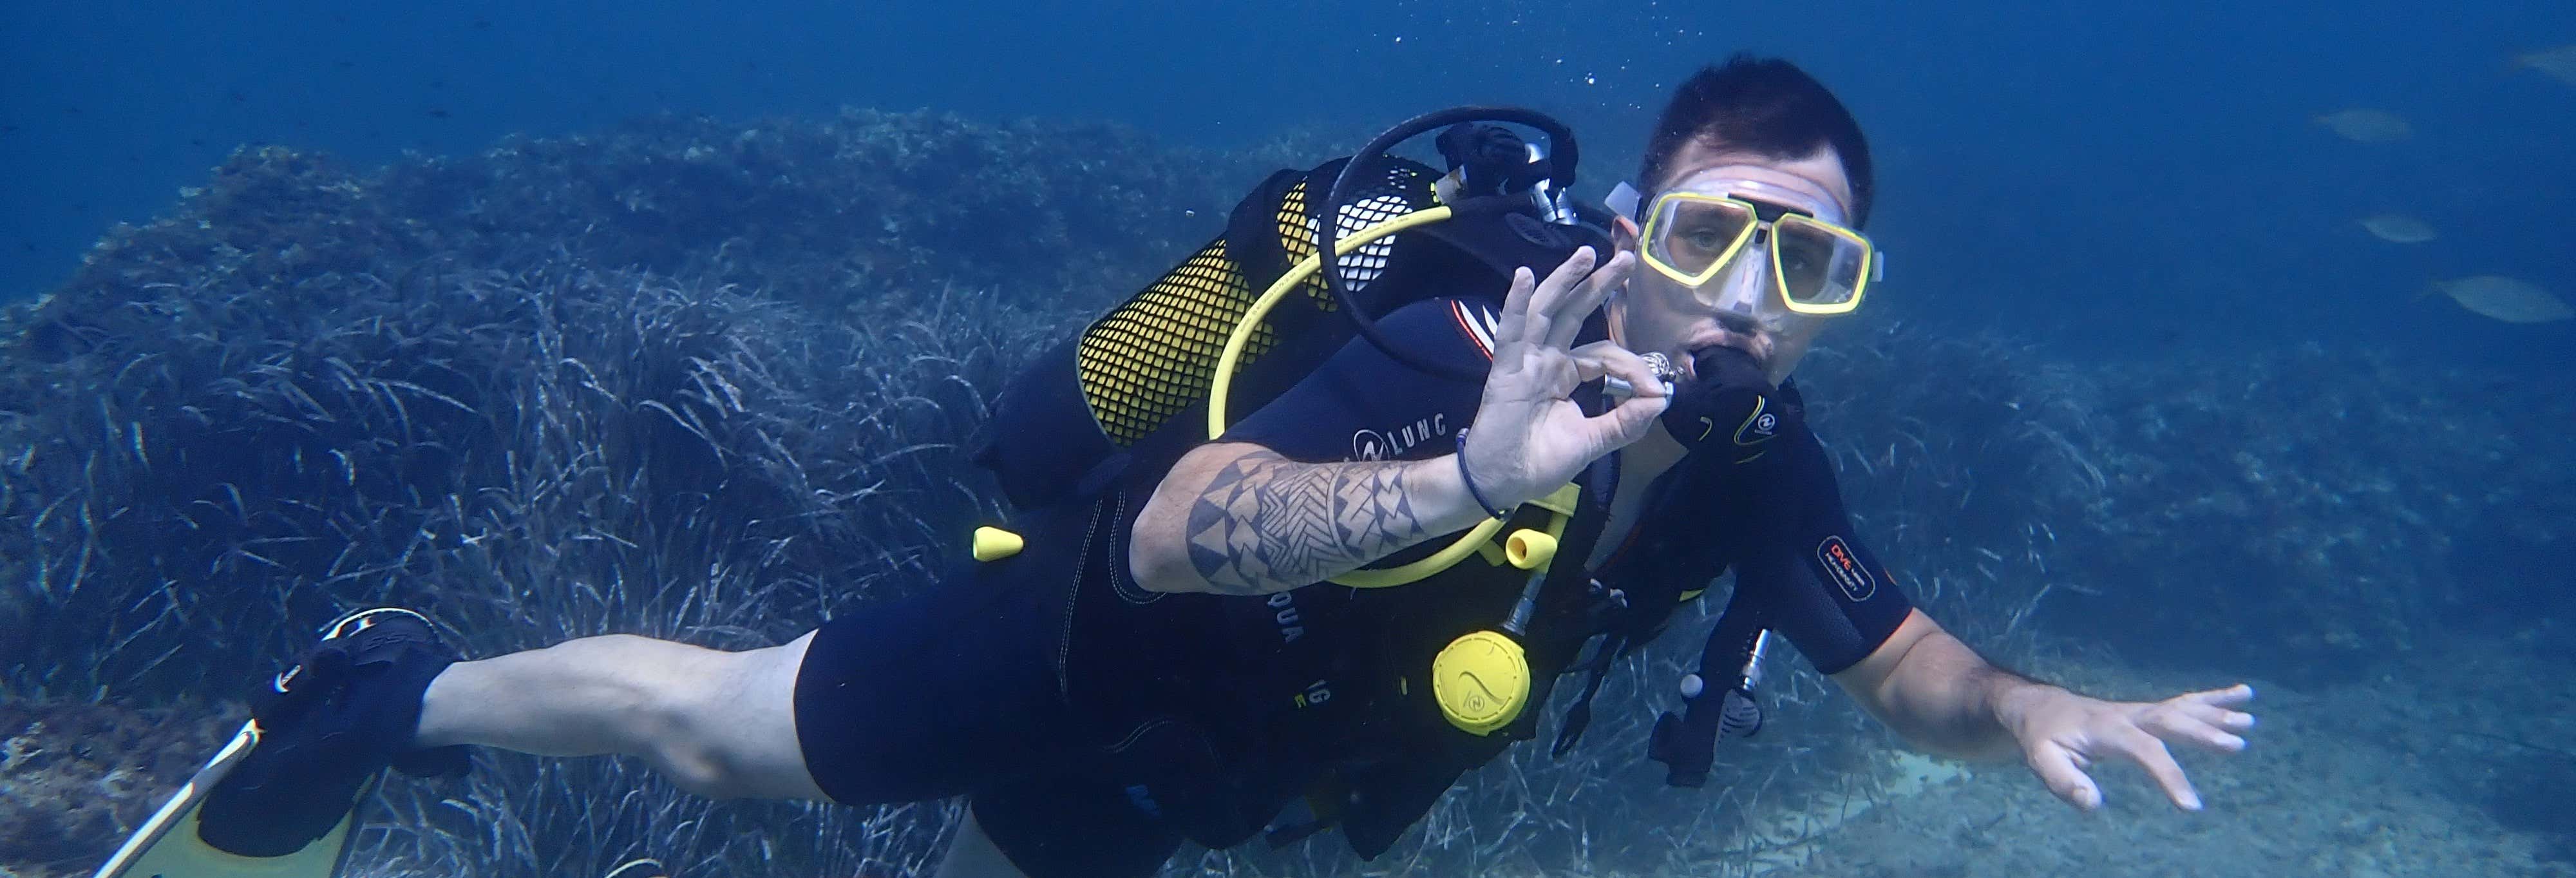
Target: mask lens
1692 236
1818 266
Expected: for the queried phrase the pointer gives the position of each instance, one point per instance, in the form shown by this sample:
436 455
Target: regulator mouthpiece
1727 403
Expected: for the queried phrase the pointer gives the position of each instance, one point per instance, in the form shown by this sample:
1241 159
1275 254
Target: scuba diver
1235 601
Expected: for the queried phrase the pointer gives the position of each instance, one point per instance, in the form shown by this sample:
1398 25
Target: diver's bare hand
1529 437
2062 733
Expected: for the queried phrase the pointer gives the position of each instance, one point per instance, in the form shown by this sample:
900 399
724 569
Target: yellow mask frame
1748 217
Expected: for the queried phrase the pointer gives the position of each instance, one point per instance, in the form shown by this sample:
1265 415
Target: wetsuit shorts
955 691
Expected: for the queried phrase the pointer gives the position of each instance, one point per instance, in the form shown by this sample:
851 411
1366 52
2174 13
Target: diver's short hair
1764 106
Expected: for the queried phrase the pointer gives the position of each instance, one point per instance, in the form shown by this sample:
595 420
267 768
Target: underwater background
669 318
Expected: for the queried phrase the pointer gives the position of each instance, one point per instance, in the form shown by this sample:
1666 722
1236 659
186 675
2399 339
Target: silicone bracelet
1471 480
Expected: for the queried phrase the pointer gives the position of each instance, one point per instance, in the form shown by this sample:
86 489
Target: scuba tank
1119 389
1116 393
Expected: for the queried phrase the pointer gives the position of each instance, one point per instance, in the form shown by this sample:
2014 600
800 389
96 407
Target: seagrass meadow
713 381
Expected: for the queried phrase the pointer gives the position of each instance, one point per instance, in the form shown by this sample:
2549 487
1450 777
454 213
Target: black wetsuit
1096 725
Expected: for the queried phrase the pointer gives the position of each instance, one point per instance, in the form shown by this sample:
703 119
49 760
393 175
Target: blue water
2103 177
2128 189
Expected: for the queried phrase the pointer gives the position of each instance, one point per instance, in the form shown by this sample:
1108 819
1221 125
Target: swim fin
168 845
287 789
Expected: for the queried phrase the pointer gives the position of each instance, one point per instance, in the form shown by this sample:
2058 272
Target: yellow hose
1223 382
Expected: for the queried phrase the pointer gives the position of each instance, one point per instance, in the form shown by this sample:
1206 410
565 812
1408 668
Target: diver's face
1741 309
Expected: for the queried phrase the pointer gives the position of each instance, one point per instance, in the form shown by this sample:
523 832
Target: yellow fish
2367 125
2558 63
2398 228
2504 298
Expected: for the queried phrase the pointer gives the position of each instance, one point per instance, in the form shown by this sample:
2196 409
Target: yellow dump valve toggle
994 544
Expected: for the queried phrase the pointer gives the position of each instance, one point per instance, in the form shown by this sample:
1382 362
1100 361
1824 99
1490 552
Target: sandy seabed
2393 776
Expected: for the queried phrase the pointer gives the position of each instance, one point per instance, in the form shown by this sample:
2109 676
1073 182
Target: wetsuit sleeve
1815 582
1362 404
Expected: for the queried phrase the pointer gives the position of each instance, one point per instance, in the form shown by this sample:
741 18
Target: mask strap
1626 201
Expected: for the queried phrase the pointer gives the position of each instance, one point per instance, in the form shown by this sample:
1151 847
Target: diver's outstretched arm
1942 697
720 724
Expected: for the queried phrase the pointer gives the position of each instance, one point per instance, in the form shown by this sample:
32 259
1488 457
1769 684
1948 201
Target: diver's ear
1624 232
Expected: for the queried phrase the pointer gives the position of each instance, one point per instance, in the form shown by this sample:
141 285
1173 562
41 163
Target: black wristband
1470 481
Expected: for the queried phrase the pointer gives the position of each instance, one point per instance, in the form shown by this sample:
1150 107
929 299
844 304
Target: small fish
2558 63
2364 125
2398 228
2504 298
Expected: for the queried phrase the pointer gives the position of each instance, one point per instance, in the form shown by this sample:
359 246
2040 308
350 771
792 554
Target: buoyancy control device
1122 386
1258 308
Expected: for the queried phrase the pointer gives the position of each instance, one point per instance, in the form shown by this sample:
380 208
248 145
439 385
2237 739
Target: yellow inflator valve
994 544
1529 549
1482 681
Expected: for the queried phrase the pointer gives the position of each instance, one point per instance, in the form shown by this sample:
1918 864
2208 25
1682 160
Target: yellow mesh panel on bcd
1154 356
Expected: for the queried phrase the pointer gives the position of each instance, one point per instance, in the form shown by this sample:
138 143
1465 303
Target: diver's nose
1740 289
1740 323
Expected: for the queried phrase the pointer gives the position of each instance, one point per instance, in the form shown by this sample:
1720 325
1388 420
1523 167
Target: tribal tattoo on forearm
1268 524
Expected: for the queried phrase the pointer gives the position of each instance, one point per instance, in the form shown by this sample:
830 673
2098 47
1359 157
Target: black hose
1561 154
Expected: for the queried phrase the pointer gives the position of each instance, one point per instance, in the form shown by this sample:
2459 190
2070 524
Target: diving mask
1819 267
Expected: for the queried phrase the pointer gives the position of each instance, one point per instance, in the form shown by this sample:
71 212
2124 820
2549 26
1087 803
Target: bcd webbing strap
1251 239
